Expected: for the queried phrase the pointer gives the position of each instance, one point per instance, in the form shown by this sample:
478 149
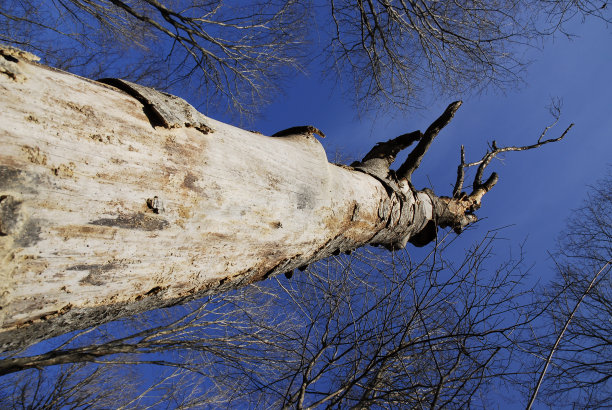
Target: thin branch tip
459 208
456 104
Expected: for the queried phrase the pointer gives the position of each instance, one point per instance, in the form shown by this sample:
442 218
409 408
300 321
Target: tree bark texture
116 199
109 207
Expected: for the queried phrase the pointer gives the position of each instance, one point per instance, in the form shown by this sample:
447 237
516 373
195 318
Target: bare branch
561 333
460 175
457 211
414 159
488 157
236 53
373 324
578 338
389 150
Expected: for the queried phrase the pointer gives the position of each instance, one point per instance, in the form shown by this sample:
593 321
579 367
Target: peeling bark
116 199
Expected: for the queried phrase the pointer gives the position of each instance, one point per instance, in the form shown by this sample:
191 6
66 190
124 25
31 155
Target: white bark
104 215
117 202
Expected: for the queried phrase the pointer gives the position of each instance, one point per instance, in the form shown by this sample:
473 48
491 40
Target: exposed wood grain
107 215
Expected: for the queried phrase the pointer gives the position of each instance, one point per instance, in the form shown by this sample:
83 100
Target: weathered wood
106 213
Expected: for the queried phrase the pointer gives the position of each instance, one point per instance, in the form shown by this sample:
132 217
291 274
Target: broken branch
301 129
389 150
414 159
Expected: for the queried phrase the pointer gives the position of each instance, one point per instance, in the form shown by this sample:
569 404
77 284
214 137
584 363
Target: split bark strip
118 201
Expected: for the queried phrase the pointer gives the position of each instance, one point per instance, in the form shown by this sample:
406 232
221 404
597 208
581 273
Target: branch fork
456 211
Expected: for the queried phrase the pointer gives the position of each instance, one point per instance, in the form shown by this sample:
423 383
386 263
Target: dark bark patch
105 139
85 110
10 58
10 216
9 177
29 233
273 182
138 221
190 181
65 309
96 271
16 179
154 291
9 66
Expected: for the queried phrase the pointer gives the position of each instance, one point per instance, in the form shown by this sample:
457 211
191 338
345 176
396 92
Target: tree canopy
450 326
238 54
579 307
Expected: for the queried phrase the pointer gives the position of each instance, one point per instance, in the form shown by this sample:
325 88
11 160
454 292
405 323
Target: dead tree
117 199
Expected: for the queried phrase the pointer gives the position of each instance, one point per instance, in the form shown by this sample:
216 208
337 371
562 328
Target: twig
556 345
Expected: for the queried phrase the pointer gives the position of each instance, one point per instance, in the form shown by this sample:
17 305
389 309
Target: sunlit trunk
111 206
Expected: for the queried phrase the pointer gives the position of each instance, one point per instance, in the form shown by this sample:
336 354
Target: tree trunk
117 199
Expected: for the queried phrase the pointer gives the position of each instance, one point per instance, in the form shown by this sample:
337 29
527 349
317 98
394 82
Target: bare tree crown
238 54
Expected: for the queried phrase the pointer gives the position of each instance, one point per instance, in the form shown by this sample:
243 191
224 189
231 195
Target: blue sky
537 189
